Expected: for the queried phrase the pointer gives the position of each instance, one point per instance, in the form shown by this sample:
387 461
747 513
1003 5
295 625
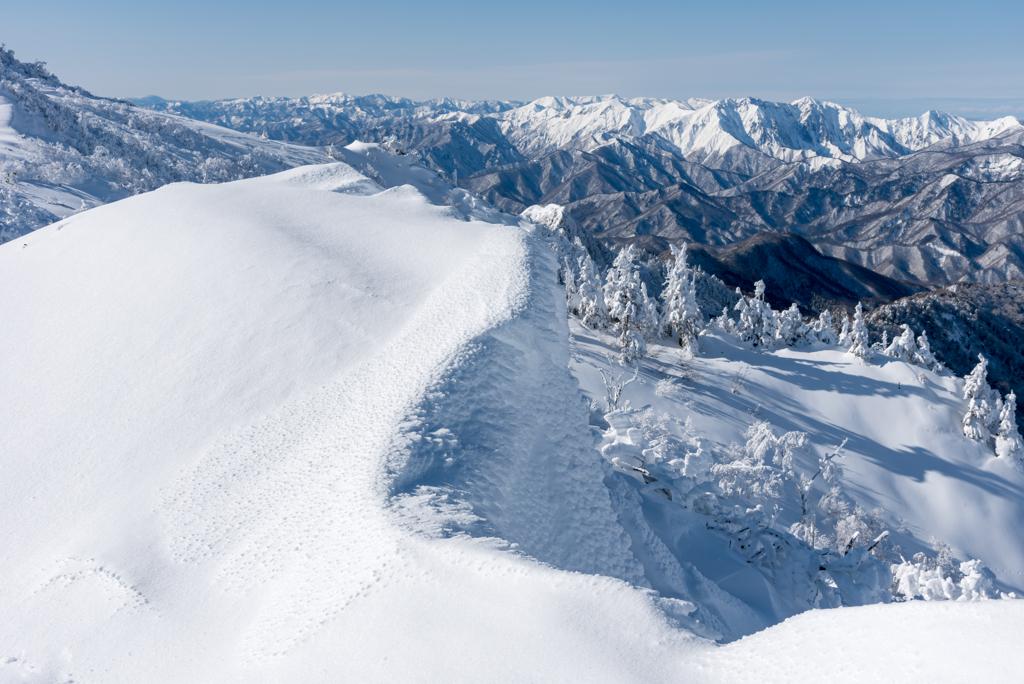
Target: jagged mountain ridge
930 199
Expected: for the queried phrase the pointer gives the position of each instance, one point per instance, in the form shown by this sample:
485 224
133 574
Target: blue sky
887 58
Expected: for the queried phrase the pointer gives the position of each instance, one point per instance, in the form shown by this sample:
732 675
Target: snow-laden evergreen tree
681 316
592 310
724 323
859 343
984 404
568 276
629 307
924 356
757 322
1008 440
650 322
790 327
903 347
844 334
882 344
761 468
823 328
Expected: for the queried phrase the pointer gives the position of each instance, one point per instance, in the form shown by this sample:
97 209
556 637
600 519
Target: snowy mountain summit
333 424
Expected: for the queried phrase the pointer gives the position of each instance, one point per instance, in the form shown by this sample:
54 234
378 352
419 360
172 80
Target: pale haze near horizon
883 58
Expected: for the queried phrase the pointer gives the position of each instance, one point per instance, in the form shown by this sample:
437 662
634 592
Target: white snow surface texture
247 428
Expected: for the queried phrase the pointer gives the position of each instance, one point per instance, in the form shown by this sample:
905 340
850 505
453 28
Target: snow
324 425
217 386
701 129
909 642
906 452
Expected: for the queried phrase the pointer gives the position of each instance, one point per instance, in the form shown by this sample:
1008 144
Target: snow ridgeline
63 150
285 404
740 488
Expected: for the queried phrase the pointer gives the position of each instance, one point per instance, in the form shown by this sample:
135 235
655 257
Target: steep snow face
63 150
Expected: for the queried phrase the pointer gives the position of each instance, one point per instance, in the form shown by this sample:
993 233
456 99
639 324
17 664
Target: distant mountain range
929 200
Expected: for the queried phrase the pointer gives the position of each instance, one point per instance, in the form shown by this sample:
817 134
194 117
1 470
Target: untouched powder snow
215 384
321 426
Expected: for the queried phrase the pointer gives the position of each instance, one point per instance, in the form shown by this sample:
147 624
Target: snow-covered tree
759 470
790 327
982 410
629 307
1008 440
903 347
829 470
924 356
590 293
844 333
650 322
681 316
822 328
859 344
568 277
757 322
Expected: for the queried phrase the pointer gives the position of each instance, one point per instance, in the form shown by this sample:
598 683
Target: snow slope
307 427
906 451
216 385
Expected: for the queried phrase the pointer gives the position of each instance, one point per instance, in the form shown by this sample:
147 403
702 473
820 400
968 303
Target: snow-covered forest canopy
280 412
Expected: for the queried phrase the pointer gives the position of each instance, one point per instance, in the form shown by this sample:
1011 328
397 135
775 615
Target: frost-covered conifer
844 334
903 347
590 292
1008 440
859 344
791 328
823 328
568 277
628 305
650 322
757 322
681 316
982 410
924 357
725 323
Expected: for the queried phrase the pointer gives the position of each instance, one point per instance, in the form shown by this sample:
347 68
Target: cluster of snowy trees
990 418
619 301
762 326
837 552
